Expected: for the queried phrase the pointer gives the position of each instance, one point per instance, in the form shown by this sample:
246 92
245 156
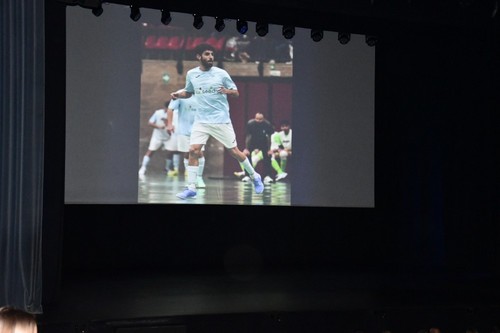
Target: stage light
135 13
370 40
344 37
242 26
197 21
288 31
316 35
261 28
219 24
165 17
97 11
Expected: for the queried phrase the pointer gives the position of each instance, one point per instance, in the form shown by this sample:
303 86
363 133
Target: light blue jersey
186 111
213 106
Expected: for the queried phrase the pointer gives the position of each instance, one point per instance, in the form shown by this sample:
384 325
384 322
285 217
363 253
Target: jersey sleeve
174 104
189 85
275 141
153 118
228 82
269 129
276 138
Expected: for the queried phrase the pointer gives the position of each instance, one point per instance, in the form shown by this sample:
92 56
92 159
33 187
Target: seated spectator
281 147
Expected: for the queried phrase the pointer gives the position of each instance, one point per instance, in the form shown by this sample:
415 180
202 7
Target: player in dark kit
258 142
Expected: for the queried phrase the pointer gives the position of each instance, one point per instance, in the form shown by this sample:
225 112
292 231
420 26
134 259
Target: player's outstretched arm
229 92
181 93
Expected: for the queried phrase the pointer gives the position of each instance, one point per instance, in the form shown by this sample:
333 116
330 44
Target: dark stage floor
254 299
286 301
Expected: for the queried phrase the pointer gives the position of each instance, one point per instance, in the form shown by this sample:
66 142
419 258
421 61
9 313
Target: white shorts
155 144
171 143
183 143
224 133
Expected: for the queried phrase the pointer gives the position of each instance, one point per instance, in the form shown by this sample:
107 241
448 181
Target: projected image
235 116
235 106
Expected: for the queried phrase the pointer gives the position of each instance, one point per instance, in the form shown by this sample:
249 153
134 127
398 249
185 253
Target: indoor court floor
157 187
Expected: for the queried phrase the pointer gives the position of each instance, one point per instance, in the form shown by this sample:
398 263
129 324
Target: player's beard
206 64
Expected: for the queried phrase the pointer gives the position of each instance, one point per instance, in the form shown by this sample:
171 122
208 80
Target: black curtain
22 103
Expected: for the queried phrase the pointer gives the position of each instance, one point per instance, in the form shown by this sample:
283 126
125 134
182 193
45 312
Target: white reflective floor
157 187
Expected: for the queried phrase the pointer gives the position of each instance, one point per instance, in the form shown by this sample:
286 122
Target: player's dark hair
167 103
204 47
285 123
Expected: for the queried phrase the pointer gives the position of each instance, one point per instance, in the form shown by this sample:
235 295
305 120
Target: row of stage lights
261 28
